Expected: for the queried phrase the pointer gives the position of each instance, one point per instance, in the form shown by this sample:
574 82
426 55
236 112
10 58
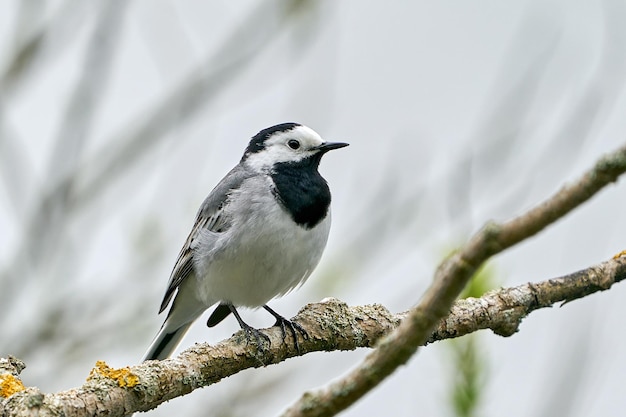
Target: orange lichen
619 255
123 376
9 385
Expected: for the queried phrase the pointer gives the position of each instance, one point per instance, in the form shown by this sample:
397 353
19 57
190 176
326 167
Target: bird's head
286 143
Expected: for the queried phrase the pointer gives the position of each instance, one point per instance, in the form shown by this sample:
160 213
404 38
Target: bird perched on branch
259 234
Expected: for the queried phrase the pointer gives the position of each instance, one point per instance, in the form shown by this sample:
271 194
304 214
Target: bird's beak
329 146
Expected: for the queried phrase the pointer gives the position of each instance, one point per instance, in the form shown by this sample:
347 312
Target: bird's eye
293 144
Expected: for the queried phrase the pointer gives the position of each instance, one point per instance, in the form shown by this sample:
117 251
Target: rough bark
333 325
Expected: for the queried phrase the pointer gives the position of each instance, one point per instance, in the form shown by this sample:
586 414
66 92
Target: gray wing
210 217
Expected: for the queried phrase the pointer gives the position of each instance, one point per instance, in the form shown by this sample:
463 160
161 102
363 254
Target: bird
258 235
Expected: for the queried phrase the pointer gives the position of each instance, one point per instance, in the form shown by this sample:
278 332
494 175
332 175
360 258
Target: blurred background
118 117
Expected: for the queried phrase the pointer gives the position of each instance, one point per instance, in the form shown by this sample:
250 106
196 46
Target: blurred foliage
466 387
484 280
468 356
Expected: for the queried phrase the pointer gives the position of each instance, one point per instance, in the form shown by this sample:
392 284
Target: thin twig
51 215
37 50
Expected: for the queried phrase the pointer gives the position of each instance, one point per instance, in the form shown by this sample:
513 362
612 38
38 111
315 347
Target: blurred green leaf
468 358
484 280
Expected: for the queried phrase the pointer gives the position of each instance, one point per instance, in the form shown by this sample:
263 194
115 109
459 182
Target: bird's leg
292 325
249 330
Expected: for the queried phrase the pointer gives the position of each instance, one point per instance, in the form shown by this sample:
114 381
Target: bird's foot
257 336
284 324
251 332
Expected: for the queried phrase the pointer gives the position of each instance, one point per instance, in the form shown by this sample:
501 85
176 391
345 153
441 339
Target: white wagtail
259 234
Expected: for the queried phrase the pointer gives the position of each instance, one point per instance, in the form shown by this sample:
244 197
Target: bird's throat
302 191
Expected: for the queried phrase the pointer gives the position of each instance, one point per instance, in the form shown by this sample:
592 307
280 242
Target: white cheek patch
265 160
276 149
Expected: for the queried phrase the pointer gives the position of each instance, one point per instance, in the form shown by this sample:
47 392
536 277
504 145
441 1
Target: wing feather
211 217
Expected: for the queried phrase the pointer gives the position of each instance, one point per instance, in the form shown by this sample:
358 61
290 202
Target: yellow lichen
619 255
123 376
9 385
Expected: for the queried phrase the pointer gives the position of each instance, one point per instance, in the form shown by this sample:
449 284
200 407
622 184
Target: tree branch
503 310
331 324
450 278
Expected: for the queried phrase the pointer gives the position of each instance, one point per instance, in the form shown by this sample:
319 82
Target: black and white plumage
259 234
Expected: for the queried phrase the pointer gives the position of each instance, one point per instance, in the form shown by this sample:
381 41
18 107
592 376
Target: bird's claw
292 326
258 336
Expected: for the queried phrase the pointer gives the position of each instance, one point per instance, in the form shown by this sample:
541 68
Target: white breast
263 255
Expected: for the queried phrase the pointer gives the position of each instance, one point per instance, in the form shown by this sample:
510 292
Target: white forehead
276 148
308 137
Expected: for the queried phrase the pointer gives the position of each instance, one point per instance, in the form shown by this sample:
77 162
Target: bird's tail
166 341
